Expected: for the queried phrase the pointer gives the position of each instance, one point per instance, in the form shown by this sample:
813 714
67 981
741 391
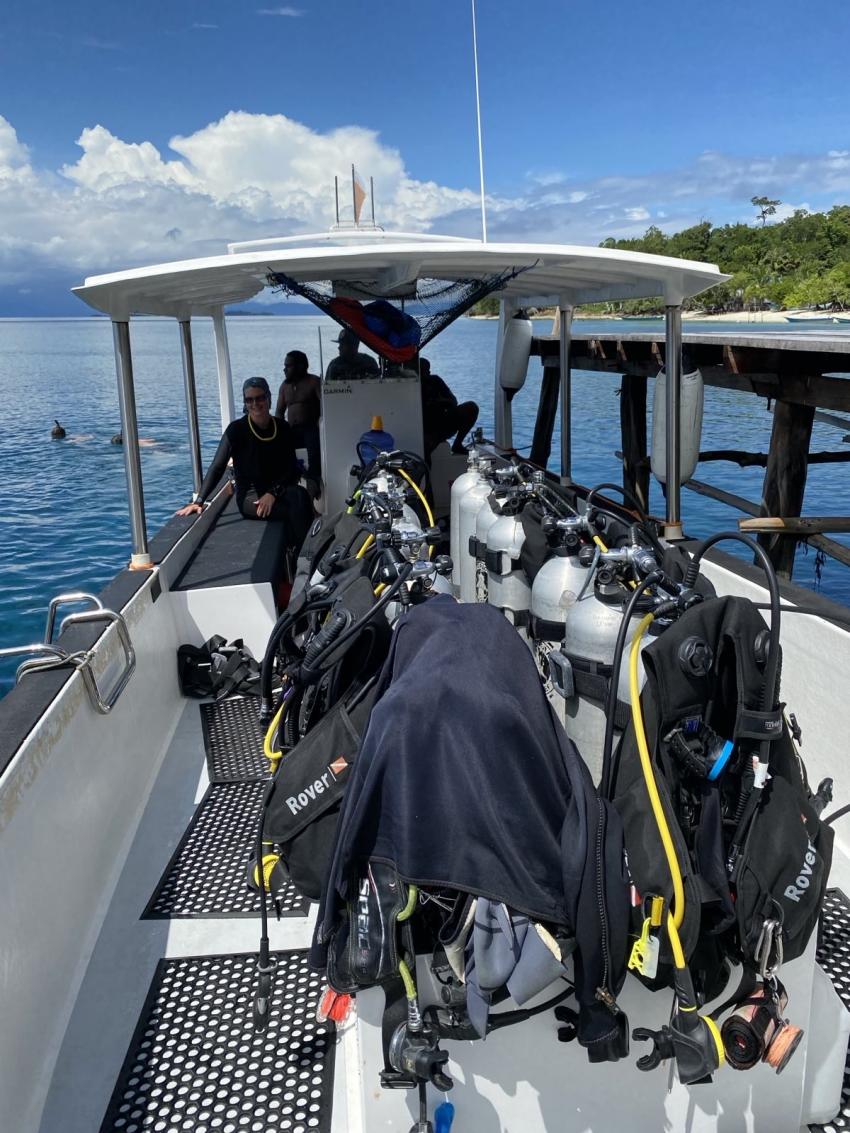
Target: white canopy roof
569 274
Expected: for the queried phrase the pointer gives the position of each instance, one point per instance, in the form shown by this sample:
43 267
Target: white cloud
290 12
14 156
248 176
108 162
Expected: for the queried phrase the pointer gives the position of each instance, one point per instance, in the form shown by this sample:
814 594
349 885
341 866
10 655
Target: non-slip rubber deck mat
833 955
207 875
195 1063
233 740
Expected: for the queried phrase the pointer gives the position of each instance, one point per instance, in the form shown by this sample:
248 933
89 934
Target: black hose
771 668
627 495
842 810
606 781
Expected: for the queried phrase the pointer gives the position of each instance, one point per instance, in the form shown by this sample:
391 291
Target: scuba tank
508 588
374 440
470 504
590 636
460 487
484 521
556 587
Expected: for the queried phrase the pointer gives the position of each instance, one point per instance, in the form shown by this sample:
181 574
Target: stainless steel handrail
82 660
62 600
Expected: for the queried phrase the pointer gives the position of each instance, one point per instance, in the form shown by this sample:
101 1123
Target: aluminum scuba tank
460 487
554 591
470 504
485 519
508 588
590 636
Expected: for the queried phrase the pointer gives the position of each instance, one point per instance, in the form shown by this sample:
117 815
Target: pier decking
802 373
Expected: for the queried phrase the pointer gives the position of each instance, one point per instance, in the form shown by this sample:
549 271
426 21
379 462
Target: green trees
802 261
766 207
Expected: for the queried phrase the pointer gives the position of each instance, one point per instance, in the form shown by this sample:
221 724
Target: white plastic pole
480 138
225 377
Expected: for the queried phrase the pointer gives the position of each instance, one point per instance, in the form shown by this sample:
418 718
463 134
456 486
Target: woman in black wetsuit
264 466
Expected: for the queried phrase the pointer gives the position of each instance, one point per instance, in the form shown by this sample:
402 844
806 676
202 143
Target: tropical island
800 263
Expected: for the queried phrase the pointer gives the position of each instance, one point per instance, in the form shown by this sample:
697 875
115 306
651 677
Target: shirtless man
299 403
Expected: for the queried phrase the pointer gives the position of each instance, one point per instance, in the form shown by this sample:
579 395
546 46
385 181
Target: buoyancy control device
416 869
727 853
325 653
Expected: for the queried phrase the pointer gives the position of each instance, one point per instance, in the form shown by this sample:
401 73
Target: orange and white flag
359 196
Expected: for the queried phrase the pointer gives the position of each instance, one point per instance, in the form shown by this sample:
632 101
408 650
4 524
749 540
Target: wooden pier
804 375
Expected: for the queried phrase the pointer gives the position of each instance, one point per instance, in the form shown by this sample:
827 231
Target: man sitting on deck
441 414
351 364
264 466
299 403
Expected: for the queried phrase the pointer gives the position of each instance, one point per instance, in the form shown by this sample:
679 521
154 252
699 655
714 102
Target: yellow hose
271 755
407 911
424 501
597 540
349 510
678 913
365 547
407 980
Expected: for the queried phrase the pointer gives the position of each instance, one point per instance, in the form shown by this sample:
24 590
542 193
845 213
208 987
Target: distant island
800 263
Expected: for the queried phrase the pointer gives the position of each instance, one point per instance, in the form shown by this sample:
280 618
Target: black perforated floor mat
195 1064
233 740
833 955
207 875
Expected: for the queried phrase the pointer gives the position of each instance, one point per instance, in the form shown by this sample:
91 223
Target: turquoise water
64 525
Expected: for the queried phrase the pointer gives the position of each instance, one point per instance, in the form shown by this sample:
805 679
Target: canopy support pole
566 323
673 370
191 402
140 558
225 376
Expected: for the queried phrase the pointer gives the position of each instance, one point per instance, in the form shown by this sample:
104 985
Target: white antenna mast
478 113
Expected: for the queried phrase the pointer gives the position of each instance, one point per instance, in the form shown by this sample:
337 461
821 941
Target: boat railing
44 655
77 597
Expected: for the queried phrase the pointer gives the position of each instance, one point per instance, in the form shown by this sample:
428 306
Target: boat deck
177 953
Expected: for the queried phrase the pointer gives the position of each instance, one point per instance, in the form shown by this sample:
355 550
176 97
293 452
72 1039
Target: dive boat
129 812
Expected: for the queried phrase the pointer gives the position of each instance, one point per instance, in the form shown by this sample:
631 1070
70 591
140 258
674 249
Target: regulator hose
606 782
772 665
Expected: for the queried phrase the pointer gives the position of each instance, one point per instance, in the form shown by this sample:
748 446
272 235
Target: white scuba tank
460 487
690 416
470 504
589 641
508 588
484 521
554 591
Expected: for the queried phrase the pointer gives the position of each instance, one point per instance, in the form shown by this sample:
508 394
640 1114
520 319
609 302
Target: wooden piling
785 477
633 436
547 409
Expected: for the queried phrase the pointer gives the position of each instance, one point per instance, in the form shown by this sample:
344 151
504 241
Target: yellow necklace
257 435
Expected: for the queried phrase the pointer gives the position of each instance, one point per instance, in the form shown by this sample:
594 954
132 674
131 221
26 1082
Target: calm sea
64 522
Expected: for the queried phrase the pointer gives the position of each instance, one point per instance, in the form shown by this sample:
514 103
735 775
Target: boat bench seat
235 552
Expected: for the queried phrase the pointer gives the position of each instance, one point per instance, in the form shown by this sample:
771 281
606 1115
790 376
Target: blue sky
139 133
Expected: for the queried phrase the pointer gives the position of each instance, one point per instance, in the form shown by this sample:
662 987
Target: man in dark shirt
264 466
299 403
441 414
351 364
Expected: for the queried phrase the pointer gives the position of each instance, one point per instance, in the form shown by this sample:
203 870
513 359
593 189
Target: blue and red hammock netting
396 330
